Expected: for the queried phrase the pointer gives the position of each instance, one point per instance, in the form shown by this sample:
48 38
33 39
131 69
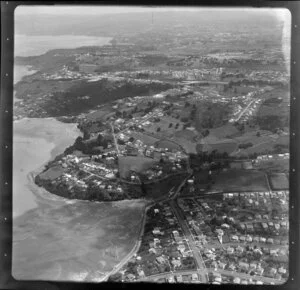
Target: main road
196 253
138 242
218 272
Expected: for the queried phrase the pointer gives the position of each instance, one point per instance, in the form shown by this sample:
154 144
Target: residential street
200 263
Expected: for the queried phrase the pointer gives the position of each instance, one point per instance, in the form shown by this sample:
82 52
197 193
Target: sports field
132 163
279 181
240 180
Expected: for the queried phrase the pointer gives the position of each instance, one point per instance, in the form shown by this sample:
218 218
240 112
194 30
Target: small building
237 280
262 239
230 250
235 238
282 270
239 249
273 271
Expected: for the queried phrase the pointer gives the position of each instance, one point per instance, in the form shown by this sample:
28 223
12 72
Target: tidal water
54 238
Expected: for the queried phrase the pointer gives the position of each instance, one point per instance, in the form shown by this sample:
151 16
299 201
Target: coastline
36 45
49 222
46 138
36 142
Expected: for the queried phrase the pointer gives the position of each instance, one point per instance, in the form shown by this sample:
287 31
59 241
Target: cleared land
99 114
279 181
274 112
225 131
132 163
167 144
185 134
188 146
220 147
240 180
146 139
52 173
280 165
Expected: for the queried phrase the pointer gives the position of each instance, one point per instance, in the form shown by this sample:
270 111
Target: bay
58 239
31 45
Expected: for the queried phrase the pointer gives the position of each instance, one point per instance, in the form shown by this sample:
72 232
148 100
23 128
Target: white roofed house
282 270
262 239
230 250
234 238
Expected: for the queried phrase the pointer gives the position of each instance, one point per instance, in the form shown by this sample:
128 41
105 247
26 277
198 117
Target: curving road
218 272
138 243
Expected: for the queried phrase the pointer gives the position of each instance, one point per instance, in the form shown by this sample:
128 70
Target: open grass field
280 165
265 141
220 147
283 140
167 144
240 180
146 139
99 114
259 147
272 115
133 163
251 136
279 181
52 173
225 131
185 134
188 146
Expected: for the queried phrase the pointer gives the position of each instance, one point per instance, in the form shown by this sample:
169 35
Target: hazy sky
96 10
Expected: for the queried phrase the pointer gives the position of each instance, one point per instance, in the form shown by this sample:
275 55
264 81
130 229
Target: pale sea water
29 45
54 238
